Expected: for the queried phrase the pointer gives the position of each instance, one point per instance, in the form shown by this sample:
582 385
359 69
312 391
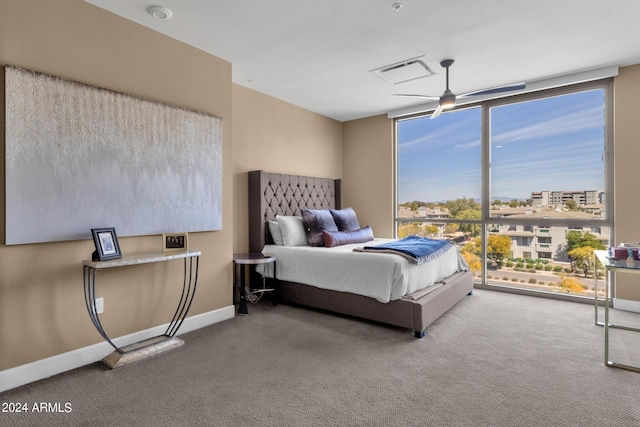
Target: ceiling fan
448 99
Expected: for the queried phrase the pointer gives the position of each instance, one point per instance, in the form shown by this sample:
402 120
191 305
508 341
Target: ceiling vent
404 71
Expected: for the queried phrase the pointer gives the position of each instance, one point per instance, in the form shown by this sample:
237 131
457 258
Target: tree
451 228
570 284
458 205
428 230
571 205
573 239
498 247
578 239
474 246
473 260
466 209
417 229
470 213
408 229
582 257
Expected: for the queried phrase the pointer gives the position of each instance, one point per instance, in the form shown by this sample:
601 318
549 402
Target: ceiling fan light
447 100
447 105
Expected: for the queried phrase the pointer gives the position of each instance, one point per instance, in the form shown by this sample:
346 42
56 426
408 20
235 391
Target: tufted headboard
272 194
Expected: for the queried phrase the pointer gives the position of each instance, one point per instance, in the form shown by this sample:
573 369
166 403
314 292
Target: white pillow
293 233
276 233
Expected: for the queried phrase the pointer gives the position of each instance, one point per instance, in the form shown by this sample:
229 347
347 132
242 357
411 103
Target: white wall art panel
80 157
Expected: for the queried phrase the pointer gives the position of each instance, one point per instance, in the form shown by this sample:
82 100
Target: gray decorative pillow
315 222
345 219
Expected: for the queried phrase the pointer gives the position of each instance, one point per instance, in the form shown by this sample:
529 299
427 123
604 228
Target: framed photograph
174 242
106 243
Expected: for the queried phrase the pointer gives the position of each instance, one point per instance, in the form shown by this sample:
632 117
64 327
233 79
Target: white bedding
385 277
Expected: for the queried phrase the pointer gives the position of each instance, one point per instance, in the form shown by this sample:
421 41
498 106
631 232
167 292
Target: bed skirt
415 311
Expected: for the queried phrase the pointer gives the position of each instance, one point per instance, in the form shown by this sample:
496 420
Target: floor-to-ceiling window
519 184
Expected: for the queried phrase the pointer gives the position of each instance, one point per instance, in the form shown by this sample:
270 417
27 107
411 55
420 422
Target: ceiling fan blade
498 89
417 96
437 112
448 99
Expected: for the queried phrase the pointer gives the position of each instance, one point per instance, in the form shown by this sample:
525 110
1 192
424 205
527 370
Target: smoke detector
160 12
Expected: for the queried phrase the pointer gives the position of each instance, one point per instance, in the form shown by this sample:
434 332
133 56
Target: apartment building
560 198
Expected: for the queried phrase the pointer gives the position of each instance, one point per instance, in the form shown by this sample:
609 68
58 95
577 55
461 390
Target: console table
146 348
612 265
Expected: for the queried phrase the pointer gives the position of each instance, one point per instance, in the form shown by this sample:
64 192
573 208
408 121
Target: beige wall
369 172
42 311
275 136
627 159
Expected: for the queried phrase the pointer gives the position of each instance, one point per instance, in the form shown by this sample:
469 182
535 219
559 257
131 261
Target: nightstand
243 261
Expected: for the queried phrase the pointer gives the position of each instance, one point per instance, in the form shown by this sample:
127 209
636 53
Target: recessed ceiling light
397 6
160 12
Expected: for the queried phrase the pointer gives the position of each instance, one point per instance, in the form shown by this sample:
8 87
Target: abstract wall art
79 157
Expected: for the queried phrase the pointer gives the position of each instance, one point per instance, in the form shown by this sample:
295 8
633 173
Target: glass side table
612 266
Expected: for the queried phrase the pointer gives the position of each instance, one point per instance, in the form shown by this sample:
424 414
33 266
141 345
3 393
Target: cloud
565 122
552 143
459 130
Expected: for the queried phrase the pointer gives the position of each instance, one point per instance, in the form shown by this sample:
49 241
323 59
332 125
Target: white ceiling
318 54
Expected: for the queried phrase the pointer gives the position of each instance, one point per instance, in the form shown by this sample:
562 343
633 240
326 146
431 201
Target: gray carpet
495 359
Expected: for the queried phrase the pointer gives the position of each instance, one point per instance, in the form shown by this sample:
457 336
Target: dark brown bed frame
272 194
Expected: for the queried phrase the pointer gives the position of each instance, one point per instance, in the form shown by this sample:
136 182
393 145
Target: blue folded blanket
416 249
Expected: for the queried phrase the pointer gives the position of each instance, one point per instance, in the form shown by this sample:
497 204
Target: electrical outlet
99 305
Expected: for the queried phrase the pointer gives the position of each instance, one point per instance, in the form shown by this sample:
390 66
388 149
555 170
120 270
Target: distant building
532 241
560 198
544 242
424 212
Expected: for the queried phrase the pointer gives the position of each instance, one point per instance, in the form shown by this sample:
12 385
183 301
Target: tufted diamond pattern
287 194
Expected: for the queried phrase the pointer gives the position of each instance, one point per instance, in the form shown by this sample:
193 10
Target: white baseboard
40 369
626 305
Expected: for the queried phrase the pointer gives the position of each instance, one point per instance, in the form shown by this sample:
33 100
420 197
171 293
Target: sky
553 144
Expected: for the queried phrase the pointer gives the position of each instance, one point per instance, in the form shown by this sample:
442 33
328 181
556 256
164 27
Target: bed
272 194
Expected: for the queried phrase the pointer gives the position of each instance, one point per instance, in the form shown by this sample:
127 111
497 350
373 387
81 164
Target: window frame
486 221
